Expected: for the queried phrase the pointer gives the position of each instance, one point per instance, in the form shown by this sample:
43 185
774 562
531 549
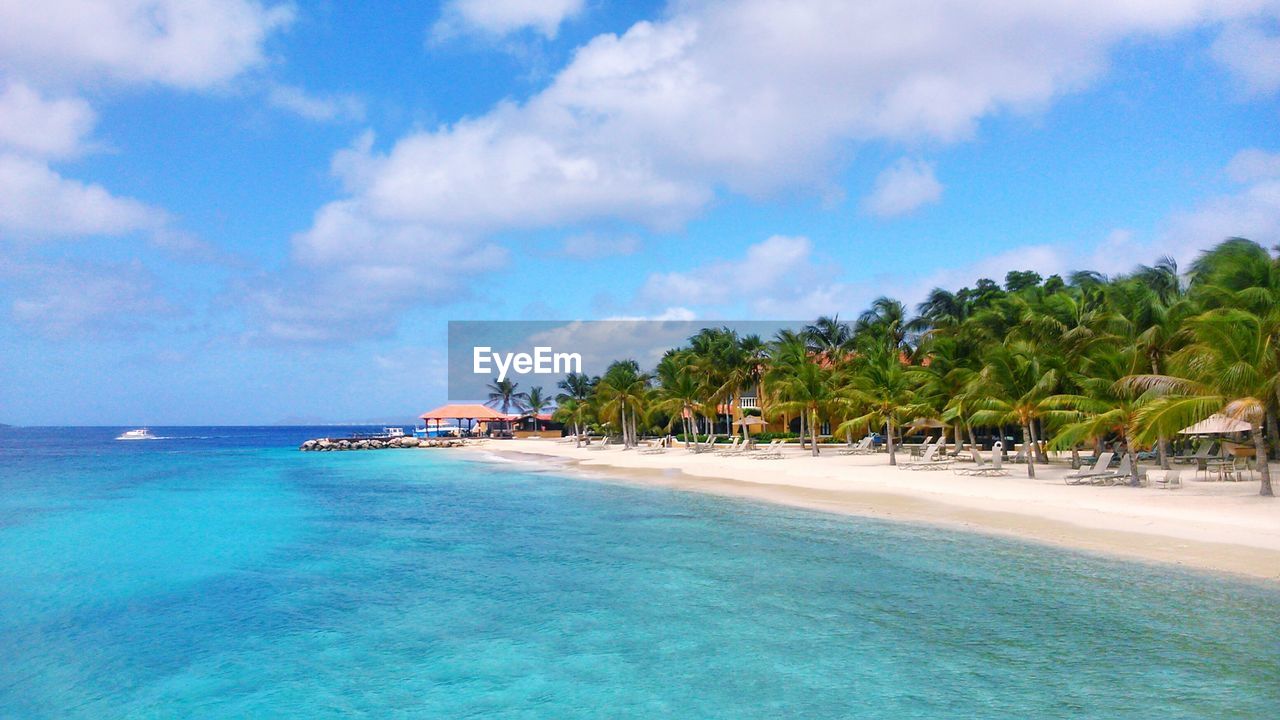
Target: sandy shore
1222 527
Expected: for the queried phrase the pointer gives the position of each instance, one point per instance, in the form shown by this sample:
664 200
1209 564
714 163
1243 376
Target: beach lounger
1201 453
929 461
1123 475
983 468
1172 480
772 451
734 448
1086 476
863 447
1020 454
918 451
604 445
707 446
656 447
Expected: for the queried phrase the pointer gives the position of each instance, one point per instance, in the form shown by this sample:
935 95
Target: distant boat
139 434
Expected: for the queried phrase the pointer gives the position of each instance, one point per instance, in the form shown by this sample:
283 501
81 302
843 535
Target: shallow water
228 575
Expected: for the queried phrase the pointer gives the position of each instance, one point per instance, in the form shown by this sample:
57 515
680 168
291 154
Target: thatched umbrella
748 421
1217 424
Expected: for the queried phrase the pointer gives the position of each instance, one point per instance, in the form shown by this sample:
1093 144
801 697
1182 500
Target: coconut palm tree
1011 389
576 386
533 403
622 393
503 394
941 380
1104 406
1231 367
575 412
887 321
809 389
881 394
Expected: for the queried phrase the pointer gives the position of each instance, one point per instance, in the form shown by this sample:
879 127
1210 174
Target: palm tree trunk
1163 452
973 438
1026 446
888 438
1133 461
1036 427
813 432
1273 430
1264 467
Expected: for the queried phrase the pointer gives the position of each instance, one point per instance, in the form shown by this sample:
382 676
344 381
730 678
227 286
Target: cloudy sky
239 211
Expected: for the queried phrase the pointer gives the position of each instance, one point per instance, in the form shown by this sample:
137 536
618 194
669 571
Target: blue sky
238 211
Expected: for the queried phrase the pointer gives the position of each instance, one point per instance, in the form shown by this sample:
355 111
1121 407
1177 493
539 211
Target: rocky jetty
336 444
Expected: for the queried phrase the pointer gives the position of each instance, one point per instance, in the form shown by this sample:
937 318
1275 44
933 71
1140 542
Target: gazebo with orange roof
462 411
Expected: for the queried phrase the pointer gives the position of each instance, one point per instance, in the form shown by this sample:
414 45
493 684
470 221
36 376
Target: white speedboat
139 434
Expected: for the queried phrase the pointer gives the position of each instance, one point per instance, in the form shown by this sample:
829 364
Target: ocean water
223 574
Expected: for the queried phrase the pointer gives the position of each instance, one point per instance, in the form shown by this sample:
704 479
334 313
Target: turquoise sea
223 574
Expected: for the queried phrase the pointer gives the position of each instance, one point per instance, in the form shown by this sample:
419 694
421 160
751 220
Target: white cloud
903 187
754 97
777 277
184 43
1253 164
1252 53
36 202
65 301
34 125
68 43
502 17
357 278
594 246
344 108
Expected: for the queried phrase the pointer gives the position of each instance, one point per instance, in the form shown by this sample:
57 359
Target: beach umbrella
1217 424
747 422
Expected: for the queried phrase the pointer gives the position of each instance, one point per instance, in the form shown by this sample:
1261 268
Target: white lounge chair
604 445
1201 453
983 468
707 446
1172 480
930 461
1085 476
656 447
1121 476
734 448
863 447
772 451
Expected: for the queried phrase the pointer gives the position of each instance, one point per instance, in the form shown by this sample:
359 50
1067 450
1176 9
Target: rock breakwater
338 444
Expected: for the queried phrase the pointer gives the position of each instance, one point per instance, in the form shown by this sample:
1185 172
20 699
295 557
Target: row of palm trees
1066 362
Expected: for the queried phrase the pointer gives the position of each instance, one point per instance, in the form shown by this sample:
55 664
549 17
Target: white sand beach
1215 526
